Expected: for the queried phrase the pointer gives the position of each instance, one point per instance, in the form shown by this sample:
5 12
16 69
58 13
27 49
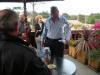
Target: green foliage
98 43
44 14
32 18
98 31
81 18
69 17
92 18
65 15
71 42
72 17
76 26
15 8
94 54
34 21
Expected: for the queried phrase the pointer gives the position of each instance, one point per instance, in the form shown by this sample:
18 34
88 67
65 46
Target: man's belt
53 39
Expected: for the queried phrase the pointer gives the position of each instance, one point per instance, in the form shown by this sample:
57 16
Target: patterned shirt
55 30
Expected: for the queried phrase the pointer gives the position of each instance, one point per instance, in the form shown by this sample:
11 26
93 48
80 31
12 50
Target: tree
33 18
44 14
65 15
72 17
92 18
16 8
81 18
69 17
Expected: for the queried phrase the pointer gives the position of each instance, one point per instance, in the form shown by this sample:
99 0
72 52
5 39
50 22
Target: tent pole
33 14
25 22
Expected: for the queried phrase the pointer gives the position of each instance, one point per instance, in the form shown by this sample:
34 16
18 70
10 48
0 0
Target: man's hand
63 41
67 41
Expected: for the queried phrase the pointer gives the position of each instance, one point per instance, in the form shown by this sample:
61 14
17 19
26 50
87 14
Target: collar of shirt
57 18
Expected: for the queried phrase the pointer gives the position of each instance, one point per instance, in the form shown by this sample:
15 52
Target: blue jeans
39 49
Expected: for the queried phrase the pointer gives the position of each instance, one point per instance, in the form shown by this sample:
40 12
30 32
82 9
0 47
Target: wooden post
25 22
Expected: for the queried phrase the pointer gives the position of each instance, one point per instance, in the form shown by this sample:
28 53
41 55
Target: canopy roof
27 0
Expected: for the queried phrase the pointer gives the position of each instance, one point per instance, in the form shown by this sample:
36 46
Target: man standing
22 25
16 58
55 32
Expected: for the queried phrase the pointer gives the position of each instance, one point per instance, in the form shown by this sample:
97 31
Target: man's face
55 13
22 17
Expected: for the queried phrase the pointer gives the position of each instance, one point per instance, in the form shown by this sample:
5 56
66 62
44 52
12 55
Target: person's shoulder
17 48
24 49
62 17
18 45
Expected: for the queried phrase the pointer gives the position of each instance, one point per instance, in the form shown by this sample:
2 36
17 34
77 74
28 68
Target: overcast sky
72 7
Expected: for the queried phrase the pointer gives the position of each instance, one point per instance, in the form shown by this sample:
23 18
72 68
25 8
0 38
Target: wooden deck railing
76 34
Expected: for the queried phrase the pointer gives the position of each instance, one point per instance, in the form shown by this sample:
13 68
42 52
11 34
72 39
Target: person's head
54 12
22 17
46 50
39 19
8 21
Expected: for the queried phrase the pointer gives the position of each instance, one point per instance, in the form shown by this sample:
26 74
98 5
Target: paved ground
81 68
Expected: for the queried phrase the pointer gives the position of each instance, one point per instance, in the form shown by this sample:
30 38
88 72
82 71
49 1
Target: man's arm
67 31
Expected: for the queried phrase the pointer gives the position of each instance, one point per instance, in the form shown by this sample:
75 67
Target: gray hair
8 20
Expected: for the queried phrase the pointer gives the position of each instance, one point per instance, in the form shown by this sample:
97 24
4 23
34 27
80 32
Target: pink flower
96 26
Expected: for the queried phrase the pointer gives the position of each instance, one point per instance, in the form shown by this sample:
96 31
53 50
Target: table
64 67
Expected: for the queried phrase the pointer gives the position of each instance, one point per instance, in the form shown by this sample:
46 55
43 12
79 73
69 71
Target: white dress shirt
55 30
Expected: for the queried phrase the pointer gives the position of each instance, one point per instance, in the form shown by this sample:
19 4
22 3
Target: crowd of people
16 57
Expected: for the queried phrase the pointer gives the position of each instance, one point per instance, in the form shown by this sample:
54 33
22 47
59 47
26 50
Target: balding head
8 20
22 17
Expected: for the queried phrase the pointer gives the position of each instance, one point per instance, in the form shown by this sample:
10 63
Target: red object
96 26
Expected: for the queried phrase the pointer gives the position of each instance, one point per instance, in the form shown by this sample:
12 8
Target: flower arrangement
95 53
87 41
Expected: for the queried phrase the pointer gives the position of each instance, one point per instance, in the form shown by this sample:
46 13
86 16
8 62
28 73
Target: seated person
16 58
46 55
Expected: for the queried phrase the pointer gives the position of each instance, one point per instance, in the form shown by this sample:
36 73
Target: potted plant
94 55
94 59
72 49
83 44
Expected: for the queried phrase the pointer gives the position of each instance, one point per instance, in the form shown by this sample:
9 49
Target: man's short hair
53 8
8 20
